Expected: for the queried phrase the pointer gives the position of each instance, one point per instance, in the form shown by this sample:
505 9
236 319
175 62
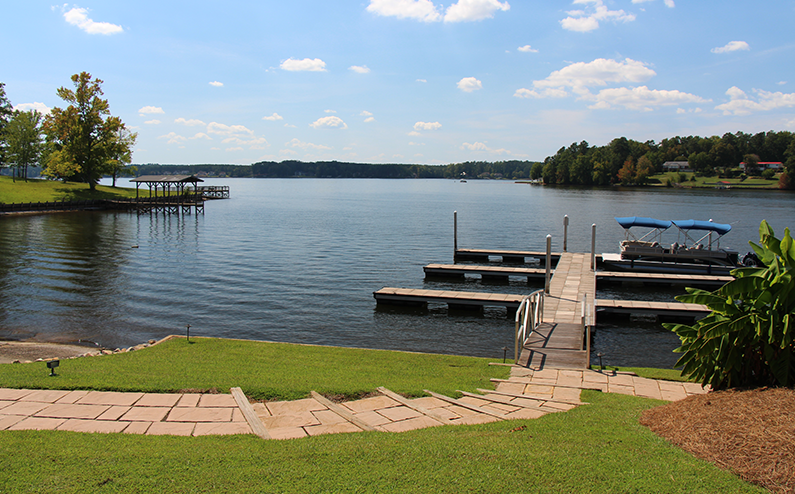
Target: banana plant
747 340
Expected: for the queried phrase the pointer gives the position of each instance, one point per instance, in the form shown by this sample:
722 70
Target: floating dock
659 309
454 300
662 278
492 273
507 256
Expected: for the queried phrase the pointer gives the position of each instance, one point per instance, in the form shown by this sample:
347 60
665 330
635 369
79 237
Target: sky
407 81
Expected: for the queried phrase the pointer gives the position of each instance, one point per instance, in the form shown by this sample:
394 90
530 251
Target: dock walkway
558 342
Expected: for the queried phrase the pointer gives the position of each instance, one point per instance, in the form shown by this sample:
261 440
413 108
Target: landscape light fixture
600 355
52 364
504 353
187 332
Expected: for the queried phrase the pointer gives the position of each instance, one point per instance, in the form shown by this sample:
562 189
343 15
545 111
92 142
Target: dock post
455 232
565 232
593 247
548 263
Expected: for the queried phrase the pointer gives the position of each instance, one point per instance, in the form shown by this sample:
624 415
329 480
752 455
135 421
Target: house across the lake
677 166
766 165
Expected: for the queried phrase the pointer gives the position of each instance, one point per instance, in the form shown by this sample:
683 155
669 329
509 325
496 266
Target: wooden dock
454 300
660 309
695 280
507 256
487 273
559 341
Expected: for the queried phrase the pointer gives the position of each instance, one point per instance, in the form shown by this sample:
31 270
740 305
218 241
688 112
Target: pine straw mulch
749 432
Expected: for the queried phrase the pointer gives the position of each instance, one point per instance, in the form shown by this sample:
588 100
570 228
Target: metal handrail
529 316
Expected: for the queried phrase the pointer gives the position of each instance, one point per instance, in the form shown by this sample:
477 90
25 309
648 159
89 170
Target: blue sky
409 81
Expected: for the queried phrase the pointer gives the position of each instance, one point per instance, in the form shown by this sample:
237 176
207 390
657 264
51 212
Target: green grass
593 448
712 182
262 370
35 190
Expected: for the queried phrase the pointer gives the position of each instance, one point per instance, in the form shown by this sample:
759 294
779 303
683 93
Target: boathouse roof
167 179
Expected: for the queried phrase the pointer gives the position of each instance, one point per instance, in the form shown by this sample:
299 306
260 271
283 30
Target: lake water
297 260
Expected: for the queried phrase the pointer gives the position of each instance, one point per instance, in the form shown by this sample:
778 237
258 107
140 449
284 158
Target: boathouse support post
593 247
548 263
455 232
565 232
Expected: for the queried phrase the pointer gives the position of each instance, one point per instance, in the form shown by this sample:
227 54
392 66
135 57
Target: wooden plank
248 412
670 278
638 306
342 412
463 269
416 408
460 403
408 295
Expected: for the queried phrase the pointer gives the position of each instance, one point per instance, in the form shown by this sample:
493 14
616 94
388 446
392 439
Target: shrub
747 339
768 174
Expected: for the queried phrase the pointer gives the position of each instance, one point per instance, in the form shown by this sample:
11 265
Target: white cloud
329 122
641 98
427 126
253 143
580 76
359 69
731 46
469 84
190 123
152 122
150 110
545 93
365 113
740 104
369 119
296 143
273 117
680 111
527 49
291 126
329 111
174 138
414 133
39 107
781 83
420 10
479 146
217 84
422 80
79 17
221 129
668 3
473 10
305 65
234 149
584 21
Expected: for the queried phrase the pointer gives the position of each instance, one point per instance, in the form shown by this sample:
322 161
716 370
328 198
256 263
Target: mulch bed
749 432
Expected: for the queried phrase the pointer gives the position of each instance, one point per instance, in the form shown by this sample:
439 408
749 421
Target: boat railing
529 316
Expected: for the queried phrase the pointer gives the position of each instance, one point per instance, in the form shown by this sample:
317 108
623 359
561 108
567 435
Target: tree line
625 161
81 142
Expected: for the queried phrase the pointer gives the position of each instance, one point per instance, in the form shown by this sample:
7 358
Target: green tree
120 153
751 165
6 112
24 143
747 340
84 136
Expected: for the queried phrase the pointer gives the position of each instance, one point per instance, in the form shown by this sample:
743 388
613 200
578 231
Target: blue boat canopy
721 228
630 221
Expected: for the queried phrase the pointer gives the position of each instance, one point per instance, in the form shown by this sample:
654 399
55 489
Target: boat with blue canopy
689 247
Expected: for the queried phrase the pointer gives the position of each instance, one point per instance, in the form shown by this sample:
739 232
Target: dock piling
455 232
548 263
565 232
593 247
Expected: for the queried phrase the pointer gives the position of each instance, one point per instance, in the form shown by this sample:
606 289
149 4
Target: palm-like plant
747 340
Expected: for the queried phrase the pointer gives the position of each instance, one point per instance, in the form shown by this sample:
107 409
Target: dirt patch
750 432
23 351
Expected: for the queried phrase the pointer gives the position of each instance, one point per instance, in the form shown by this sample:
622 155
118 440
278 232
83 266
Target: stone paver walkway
527 394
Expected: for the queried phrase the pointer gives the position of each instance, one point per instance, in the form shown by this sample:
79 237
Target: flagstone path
527 394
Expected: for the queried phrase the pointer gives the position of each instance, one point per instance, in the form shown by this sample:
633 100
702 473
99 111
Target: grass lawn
36 190
594 448
713 182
